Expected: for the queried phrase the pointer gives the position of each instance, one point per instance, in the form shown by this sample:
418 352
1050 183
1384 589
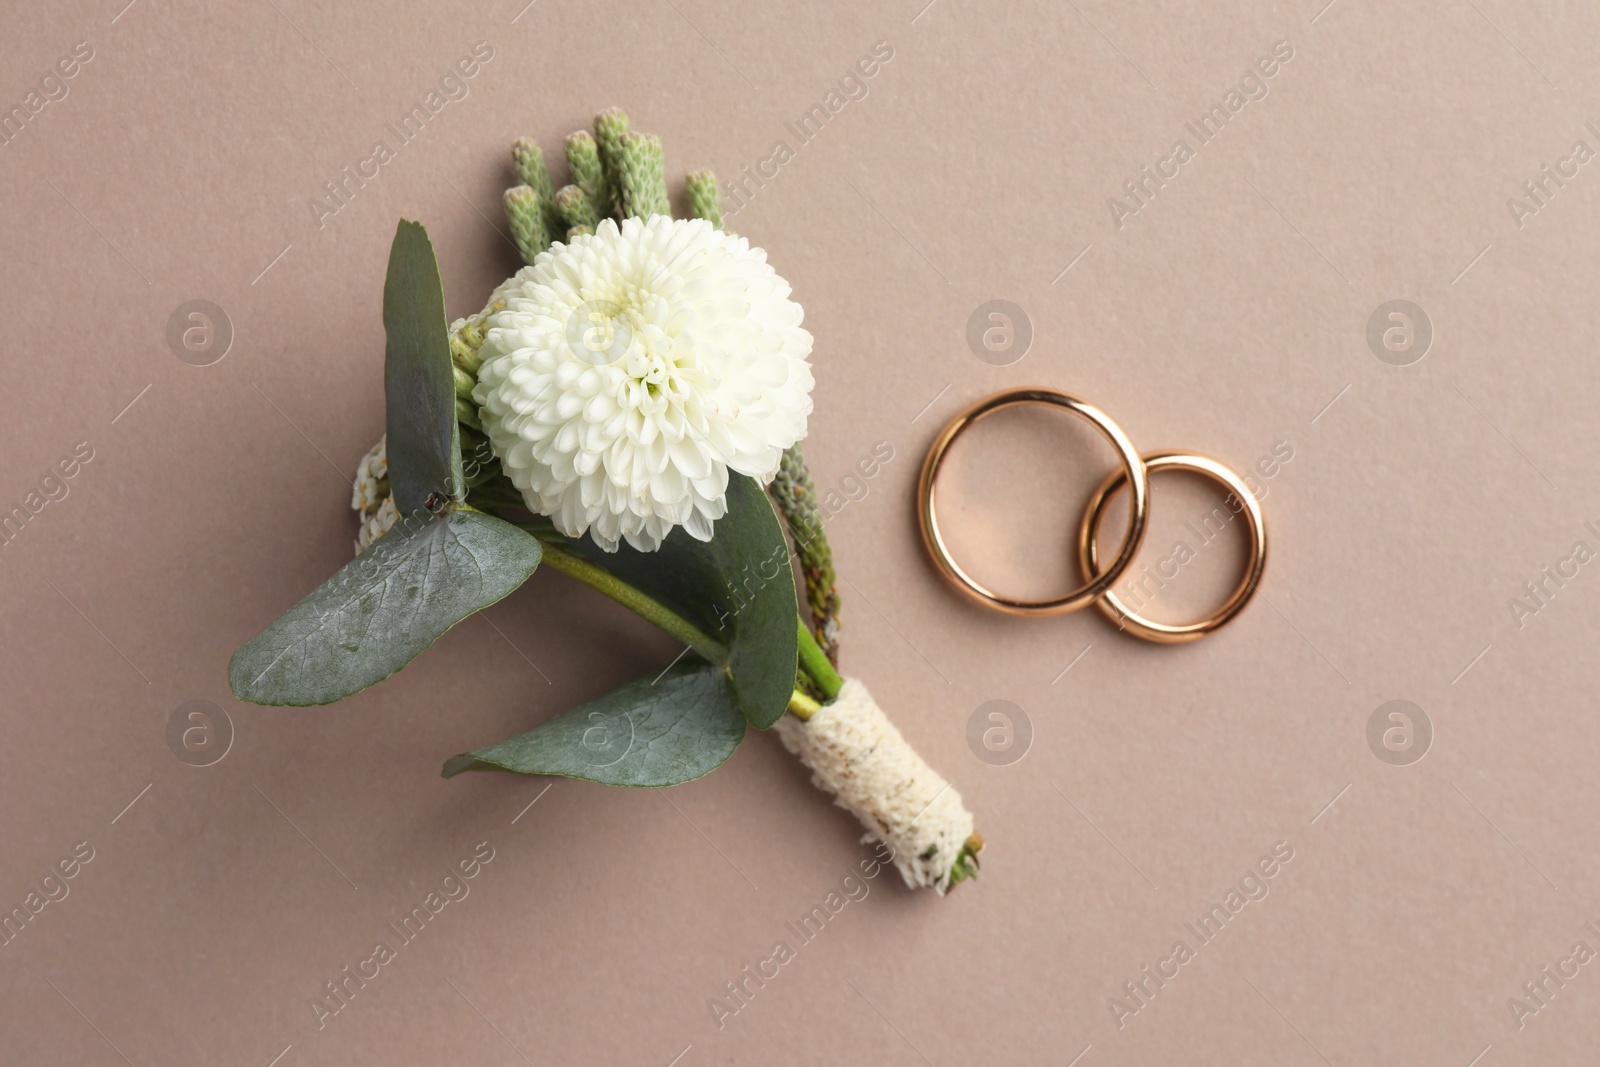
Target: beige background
1226 316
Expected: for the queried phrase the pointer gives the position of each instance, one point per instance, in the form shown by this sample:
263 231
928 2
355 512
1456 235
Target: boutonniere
628 408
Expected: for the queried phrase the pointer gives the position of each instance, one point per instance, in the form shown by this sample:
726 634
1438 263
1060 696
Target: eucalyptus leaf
424 442
384 607
737 587
652 732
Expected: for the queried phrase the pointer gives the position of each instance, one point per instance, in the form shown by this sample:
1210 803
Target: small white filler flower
632 368
369 495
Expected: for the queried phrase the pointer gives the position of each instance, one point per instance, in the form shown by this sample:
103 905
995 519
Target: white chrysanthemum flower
633 368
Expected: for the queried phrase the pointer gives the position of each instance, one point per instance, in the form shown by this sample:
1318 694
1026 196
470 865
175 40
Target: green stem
645 607
802 706
815 663
812 659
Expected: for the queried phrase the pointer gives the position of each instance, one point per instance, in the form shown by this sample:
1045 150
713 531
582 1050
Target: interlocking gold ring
1133 470
1166 633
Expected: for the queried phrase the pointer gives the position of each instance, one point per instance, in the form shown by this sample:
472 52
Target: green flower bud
528 226
583 157
609 128
576 208
642 175
705 201
527 157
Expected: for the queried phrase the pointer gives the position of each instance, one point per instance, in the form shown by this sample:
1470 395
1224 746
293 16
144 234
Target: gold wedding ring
1133 471
1097 587
1168 633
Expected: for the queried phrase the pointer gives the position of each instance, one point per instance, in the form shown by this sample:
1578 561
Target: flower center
600 331
621 334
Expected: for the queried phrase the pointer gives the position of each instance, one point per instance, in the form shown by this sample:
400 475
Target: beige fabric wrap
856 754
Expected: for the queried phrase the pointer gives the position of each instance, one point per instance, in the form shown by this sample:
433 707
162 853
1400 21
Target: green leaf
384 607
672 729
737 588
424 443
